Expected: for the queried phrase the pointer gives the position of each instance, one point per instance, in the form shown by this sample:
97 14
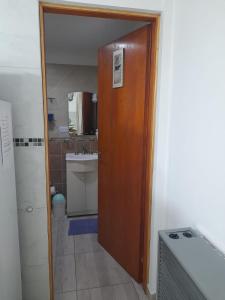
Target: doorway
149 36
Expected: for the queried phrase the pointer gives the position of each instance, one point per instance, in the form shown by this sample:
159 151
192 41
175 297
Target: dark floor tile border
28 142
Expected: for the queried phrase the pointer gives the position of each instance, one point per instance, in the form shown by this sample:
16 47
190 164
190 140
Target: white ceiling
75 40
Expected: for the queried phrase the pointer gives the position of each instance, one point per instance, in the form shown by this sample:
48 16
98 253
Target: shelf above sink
81 156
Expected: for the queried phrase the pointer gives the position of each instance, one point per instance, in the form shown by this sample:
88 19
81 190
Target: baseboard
151 296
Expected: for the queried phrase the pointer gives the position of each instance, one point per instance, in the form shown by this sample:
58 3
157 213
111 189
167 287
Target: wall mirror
82 111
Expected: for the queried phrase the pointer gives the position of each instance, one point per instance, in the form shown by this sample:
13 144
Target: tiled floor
85 271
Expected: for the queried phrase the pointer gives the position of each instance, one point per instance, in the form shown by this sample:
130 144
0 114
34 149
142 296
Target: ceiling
75 40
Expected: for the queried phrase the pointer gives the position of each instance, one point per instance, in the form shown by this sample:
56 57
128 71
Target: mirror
82 110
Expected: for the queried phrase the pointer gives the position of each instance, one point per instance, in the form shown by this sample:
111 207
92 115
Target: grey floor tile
116 292
65 243
65 280
87 243
140 291
54 236
66 296
85 217
97 269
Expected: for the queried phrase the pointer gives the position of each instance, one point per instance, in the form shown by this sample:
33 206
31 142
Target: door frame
150 112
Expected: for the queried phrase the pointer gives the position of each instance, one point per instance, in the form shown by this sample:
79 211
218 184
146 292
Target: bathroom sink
81 163
81 156
82 184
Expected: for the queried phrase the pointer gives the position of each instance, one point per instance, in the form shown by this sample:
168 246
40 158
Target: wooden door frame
89 11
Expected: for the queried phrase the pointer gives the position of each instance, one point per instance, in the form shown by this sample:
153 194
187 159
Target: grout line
75 266
104 286
67 292
87 252
37 68
64 255
99 287
135 289
74 254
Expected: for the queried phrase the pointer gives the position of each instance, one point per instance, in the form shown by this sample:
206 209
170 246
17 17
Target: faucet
85 150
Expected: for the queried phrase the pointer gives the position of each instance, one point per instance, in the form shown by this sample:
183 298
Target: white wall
20 84
194 156
196 171
192 125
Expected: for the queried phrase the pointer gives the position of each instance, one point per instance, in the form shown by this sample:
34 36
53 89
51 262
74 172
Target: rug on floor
83 226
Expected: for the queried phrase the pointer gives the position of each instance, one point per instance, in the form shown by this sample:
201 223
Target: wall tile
56 176
33 237
55 162
59 187
66 144
36 290
54 148
23 89
63 162
21 85
30 177
64 189
34 273
34 278
58 149
69 147
63 174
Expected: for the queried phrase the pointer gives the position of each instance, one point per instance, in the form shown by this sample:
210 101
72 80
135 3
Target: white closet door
10 272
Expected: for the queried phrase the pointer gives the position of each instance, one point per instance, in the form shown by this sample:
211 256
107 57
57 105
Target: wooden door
121 145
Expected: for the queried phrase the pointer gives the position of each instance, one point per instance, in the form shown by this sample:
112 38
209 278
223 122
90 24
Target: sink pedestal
82 186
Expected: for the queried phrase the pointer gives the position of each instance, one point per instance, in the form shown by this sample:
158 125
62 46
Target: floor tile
33 236
65 280
116 292
97 269
54 238
87 243
85 217
66 296
65 243
140 291
96 275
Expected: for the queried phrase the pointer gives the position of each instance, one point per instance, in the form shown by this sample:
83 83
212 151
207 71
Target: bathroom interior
81 266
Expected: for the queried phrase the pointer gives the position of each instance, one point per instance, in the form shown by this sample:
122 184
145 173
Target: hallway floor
83 270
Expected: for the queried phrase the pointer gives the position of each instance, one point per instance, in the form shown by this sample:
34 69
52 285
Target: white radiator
189 267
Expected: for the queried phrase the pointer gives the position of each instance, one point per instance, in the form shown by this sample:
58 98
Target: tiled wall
21 85
57 152
28 142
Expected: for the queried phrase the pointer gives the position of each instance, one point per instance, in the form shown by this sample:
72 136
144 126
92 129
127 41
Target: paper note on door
5 140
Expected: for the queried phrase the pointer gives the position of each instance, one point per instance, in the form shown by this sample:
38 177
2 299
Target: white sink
81 156
82 184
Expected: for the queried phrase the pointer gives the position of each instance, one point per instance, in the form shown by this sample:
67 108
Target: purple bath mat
83 226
